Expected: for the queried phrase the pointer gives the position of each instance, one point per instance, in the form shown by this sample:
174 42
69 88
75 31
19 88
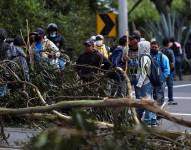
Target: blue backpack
155 76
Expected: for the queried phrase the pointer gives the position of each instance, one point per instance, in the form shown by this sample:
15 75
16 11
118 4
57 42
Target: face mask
53 34
154 52
99 43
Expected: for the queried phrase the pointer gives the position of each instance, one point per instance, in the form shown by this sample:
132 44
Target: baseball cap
135 35
88 42
40 31
99 37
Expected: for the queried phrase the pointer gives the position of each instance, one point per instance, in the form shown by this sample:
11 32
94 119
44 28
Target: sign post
123 22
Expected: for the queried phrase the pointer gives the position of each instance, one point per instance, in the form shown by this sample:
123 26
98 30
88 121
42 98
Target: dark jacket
58 41
170 54
94 59
17 55
188 49
117 57
4 47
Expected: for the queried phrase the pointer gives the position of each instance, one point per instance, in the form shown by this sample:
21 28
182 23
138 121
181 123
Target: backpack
155 76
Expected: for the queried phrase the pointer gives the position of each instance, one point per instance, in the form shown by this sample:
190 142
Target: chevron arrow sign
106 24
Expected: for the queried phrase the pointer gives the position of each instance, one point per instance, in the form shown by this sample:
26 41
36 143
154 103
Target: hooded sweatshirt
145 63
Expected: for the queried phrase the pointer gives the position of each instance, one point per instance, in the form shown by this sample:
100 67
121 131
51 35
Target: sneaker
172 103
154 124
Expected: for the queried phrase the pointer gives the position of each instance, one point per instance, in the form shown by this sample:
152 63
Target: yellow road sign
107 24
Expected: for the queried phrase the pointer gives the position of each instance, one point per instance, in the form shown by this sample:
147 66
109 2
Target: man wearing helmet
52 34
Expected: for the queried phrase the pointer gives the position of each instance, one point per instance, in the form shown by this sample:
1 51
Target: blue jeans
158 94
146 90
169 83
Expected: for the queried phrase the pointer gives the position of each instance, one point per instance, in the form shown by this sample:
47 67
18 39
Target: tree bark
123 102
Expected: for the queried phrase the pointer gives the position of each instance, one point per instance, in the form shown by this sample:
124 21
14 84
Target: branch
134 6
128 102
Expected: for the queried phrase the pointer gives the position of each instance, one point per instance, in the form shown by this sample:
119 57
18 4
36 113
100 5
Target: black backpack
155 76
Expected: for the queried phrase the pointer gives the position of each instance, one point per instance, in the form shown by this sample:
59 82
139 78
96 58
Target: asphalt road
182 95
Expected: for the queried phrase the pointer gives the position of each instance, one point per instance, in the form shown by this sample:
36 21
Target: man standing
143 86
4 47
133 60
54 36
42 47
188 53
120 87
169 81
158 91
178 54
90 57
100 46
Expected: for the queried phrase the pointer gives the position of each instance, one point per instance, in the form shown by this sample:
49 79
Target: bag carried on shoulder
155 76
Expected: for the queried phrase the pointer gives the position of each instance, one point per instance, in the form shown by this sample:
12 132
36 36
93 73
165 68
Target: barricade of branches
49 91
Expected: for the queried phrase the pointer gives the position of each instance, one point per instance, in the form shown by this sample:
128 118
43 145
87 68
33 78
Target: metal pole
123 14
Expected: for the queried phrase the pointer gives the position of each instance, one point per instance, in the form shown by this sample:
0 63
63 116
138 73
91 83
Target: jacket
17 55
117 57
145 63
58 41
171 57
188 49
164 63
102 49
44 47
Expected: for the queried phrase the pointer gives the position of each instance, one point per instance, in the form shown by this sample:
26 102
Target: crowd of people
43 46
149 65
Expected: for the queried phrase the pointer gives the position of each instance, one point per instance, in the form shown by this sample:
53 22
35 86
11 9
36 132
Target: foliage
145 11
76 19
126 138
170 26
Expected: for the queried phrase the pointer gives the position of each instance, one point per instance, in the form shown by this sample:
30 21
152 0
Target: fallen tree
123 102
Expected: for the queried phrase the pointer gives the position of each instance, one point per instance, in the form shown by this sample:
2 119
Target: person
120 84
133 60
4 47
54 36
90 57
163 61
143 86
188 52
43 48
100 46
17 54
169 81
178 54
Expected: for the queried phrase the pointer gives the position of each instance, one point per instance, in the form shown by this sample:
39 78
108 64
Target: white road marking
180 114
183 85
185 98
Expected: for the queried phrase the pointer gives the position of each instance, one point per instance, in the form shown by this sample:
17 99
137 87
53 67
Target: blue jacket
164 63
117 57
